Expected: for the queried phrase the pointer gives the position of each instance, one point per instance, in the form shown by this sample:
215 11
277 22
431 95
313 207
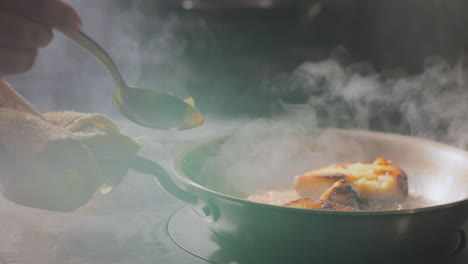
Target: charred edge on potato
309 203
343 193
380 181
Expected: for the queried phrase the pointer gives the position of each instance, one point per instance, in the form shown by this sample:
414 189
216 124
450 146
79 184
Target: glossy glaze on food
348 186
378 181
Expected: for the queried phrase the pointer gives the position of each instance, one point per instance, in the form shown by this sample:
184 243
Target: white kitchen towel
55 161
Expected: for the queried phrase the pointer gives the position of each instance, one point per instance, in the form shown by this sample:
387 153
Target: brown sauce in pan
282 197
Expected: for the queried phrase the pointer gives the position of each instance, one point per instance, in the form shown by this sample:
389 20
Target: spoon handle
92 47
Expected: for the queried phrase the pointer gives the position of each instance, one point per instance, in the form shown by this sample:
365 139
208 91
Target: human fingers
53 13
19 32
16 60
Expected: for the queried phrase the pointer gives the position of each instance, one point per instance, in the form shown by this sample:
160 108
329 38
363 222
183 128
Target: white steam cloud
269 151
146 49
122 227
266 154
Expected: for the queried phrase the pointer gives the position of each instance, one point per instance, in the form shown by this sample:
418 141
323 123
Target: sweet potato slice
309 203
341 192
378 181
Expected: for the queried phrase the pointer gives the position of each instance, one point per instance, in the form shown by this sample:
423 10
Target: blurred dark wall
397 33
401 33
235 53
229 58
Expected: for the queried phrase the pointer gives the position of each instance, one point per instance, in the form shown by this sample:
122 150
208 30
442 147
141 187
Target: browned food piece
309 203
341 192
378 181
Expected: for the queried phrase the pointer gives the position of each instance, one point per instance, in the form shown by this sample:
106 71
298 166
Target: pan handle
147 166
204 208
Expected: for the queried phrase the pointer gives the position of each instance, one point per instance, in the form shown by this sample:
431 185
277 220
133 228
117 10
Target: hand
26 26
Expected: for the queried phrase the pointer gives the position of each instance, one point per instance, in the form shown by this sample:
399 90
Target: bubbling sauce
281 197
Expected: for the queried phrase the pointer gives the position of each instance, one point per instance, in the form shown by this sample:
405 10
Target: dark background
229 54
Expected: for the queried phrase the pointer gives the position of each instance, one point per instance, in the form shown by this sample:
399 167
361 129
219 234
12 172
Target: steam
123 226
429 105
266 154
269 151
145 48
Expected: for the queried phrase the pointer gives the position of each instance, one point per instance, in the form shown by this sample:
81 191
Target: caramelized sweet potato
341 192
378 181
309 203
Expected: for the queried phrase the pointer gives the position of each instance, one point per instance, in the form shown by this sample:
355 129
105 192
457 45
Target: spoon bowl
156 110
145 107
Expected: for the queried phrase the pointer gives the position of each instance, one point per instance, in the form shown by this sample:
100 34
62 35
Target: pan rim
181 175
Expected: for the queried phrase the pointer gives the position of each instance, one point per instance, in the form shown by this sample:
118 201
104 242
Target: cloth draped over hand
56 161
